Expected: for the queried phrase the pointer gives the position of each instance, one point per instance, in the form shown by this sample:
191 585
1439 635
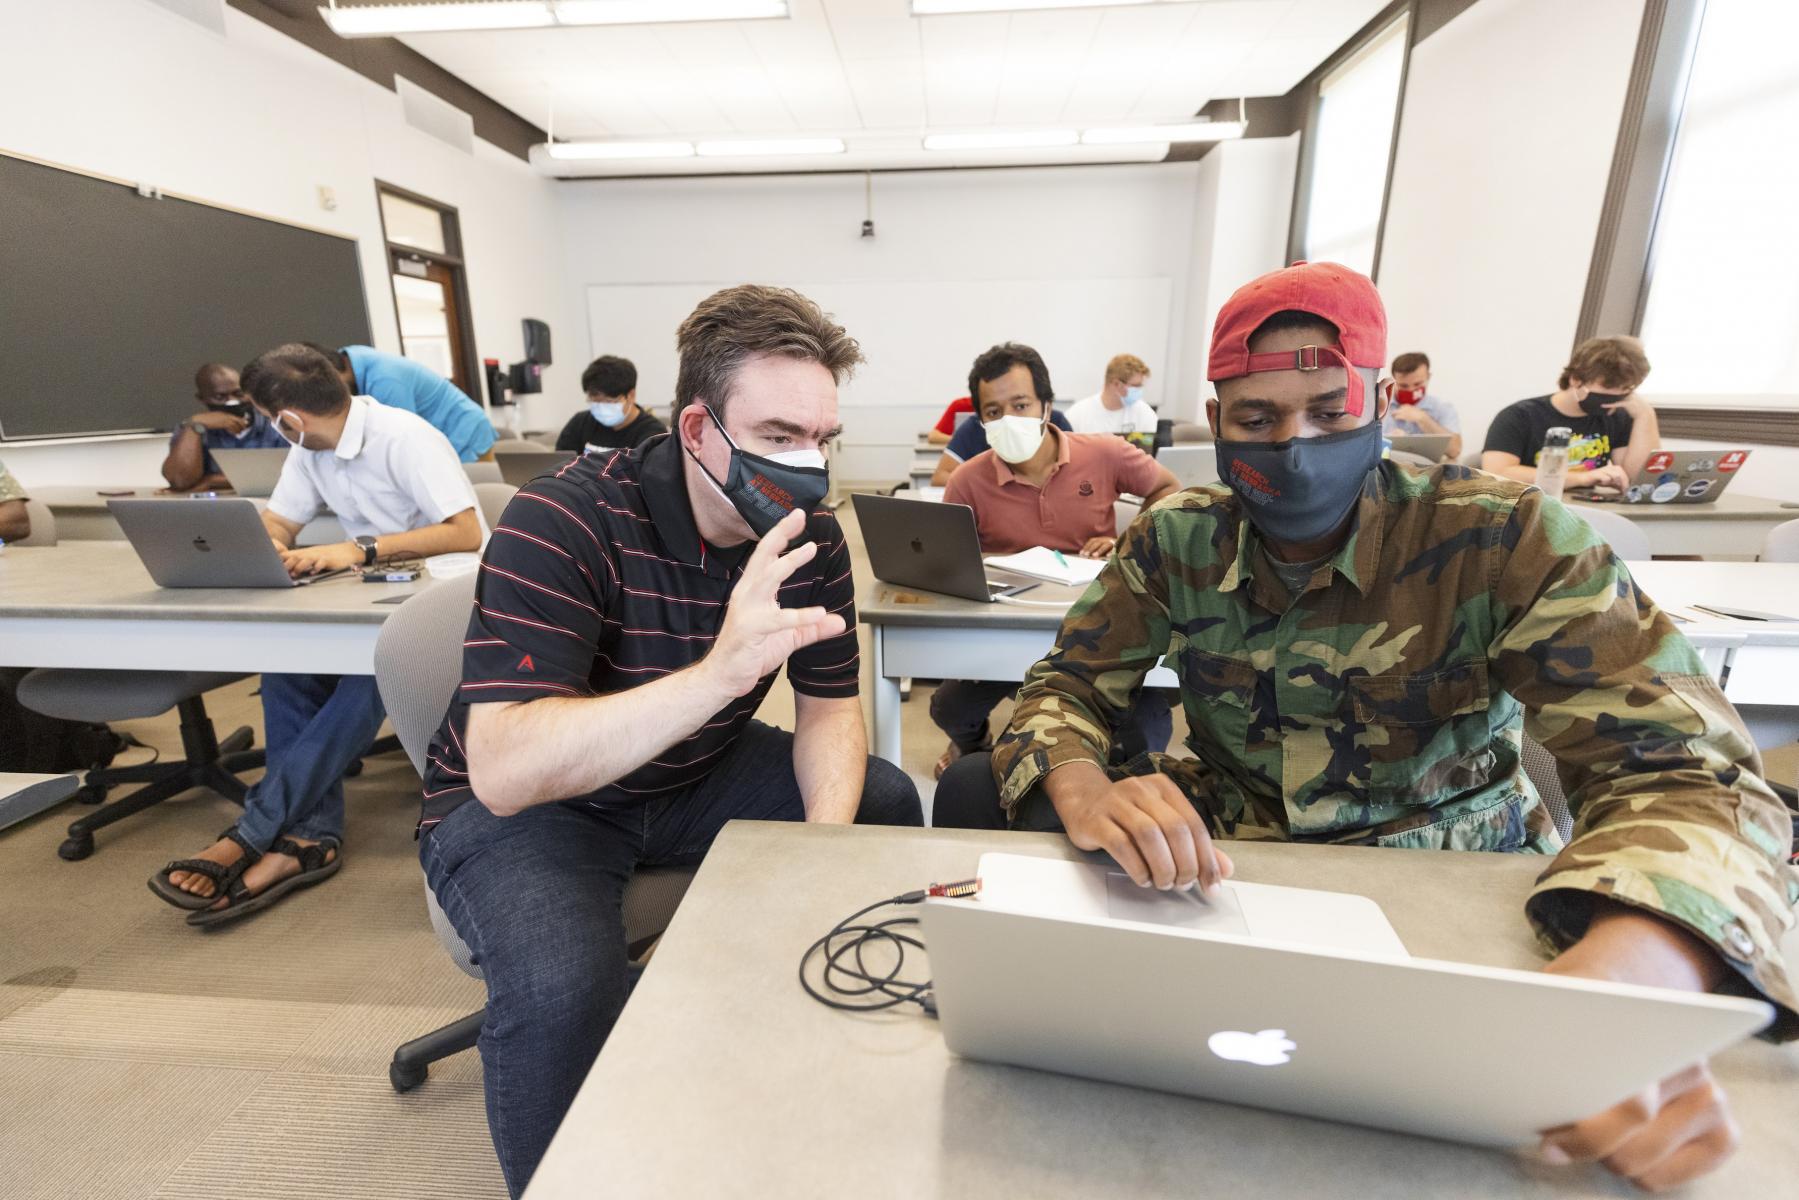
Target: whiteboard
920 337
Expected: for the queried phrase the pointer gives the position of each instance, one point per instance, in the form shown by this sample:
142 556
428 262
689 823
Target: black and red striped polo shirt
595 581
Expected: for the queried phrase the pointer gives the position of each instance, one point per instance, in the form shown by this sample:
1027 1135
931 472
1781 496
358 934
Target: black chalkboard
109 301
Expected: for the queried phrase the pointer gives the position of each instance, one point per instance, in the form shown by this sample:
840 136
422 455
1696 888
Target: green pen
1059 557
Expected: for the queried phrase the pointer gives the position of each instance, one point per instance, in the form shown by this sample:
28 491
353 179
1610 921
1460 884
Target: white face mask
1133 395
608 413
1014 439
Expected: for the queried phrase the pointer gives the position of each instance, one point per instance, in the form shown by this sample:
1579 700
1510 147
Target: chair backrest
418 661
1124 512
483 472
493 499
43 525
1627 540
521 446
1782 544
1190 433
1539 767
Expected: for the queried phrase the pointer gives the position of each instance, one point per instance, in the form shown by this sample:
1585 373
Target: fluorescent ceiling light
575 151
384 19
656 12
1002 140
1196 131
759 147
932 8
379 20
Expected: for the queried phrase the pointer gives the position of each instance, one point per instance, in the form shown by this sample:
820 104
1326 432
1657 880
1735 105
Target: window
1723 283
1352 142
424 251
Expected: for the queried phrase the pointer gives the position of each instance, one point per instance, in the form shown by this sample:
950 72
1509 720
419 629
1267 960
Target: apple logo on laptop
918 545
1267 1048
201 545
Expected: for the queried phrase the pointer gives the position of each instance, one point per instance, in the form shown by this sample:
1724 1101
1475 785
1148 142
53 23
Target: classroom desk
722 1078
1732 526
92 604
924 465
927 635
82 516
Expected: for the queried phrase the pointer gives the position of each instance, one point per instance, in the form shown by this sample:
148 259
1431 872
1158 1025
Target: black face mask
764 490
1593 403
1300 490
236 408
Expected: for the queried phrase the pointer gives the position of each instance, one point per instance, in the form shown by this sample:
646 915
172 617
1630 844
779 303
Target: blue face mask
611 414
1133 395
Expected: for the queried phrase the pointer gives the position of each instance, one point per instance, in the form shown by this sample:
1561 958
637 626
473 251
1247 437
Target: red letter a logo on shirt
525 664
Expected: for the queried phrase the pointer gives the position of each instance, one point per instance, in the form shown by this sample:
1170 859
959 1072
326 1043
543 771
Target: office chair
493 499
521 446
1627 539
103 695
418 665
483 472
1782 544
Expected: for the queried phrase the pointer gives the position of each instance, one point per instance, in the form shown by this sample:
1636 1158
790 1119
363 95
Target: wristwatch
367 545
195 426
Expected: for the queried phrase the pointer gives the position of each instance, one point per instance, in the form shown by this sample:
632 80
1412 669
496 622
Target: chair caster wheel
91 794
75 849
353 770
405 1079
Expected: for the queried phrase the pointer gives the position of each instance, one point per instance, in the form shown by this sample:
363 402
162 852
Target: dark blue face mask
764 490
1300 490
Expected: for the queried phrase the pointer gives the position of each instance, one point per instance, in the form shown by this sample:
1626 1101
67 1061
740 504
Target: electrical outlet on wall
327 198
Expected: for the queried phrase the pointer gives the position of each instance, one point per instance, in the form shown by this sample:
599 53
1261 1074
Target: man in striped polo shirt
631 614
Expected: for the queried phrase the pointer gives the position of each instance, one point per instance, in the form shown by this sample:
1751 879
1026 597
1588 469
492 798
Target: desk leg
886 703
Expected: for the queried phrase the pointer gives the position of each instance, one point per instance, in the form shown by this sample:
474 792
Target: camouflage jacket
1385 703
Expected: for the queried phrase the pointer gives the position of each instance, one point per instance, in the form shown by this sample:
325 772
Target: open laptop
1302 1012
1192 466
1432 446
252 472
1679 477
205 543
522 466
929 546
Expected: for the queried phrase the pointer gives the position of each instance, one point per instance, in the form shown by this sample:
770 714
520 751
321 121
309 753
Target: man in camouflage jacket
1370 684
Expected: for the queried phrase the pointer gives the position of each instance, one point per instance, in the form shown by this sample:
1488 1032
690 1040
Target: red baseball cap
1343 297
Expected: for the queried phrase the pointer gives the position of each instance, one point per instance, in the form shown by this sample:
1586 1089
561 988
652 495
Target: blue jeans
315 726
537 898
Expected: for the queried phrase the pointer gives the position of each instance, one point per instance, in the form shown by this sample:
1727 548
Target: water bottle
1552 463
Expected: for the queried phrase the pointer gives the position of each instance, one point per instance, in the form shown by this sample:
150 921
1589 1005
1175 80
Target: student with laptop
1416 411
399 489
1039 486
1614 429
1360 648
611 419
970 439
1119 406
412 387
632 612
945 428
226 421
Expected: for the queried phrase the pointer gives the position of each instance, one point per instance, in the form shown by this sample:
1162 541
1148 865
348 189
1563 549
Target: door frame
462 325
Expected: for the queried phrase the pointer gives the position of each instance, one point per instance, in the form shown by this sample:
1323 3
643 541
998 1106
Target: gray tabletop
1730 506
107 581
885 604
72 498
723 1079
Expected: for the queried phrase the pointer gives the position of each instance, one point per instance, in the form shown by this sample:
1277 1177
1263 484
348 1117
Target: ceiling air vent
439 118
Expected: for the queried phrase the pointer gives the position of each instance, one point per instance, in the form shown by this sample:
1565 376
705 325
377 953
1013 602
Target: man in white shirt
1119 406
398 488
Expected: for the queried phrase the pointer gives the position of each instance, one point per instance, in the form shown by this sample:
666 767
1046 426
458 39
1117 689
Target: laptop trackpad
1220 913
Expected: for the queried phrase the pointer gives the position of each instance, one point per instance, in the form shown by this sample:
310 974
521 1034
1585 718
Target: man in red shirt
939 434
1038 485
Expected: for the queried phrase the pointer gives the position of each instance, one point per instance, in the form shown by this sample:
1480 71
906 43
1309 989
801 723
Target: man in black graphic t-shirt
632 611
1614 430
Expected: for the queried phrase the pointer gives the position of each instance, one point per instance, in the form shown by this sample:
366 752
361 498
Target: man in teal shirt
401 383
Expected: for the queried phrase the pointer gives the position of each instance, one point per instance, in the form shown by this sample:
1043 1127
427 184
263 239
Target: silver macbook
1192 466
927 545
1293 1003
200 542
1433 446
522 466
252 472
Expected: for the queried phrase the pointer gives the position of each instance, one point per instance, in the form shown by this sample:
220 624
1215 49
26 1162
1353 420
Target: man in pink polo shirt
1038 485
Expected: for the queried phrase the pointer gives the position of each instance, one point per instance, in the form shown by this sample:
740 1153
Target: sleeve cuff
1745 935
1018 769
